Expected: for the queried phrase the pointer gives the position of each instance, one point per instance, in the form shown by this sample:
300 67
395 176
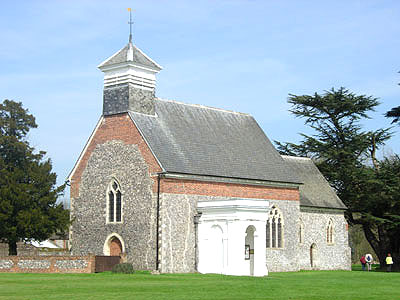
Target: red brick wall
116 127
174 186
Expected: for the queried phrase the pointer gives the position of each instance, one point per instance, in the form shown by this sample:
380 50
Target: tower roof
130 53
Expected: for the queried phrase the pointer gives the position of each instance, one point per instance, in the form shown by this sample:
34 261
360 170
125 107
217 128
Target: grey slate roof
138 57
316 190
200 140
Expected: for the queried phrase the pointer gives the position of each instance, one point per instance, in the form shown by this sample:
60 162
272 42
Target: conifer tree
346 155
28 192
394 113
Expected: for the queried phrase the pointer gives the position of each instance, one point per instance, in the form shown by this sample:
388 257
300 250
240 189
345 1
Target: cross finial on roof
130 24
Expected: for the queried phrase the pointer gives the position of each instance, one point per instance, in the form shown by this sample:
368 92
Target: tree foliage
395 114
346 155
380 207
28 191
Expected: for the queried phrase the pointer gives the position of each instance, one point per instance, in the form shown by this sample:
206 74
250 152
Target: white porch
231 237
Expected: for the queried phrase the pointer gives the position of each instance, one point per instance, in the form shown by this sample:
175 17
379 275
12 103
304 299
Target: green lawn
294 285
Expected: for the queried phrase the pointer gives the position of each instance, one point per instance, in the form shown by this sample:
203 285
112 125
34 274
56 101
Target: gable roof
130 53
194 139
316 190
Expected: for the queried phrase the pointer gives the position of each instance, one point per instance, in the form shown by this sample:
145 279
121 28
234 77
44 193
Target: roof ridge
203 106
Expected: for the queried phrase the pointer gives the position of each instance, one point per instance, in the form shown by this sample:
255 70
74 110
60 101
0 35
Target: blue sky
244 56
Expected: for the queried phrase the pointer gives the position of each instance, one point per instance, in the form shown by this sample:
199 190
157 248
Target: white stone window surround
111 188
330 233
275 226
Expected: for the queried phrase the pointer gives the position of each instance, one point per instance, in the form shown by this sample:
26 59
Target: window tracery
114 202
274 229
329 232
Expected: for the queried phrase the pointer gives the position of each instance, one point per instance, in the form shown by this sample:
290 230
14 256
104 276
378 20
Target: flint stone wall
6 264
177 233
126 97
50 264
335 256
71 264
90 229
285 259
33 264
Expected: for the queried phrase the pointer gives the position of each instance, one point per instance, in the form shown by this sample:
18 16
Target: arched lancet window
114 202
274 229
301 231
329 232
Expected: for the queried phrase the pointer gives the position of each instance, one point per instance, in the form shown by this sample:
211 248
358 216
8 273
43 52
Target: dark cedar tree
346 155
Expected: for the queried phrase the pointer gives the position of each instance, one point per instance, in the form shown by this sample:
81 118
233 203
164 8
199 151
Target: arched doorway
313 250
115 247
217 244
249 243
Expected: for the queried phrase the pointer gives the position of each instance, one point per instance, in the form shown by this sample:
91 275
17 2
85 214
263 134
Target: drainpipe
196 240
158 223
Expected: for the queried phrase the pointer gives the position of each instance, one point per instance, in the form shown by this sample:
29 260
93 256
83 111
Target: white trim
117 66
71 174
106 247
246 209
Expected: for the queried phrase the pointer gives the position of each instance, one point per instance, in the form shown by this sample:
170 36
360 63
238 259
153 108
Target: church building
178 187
